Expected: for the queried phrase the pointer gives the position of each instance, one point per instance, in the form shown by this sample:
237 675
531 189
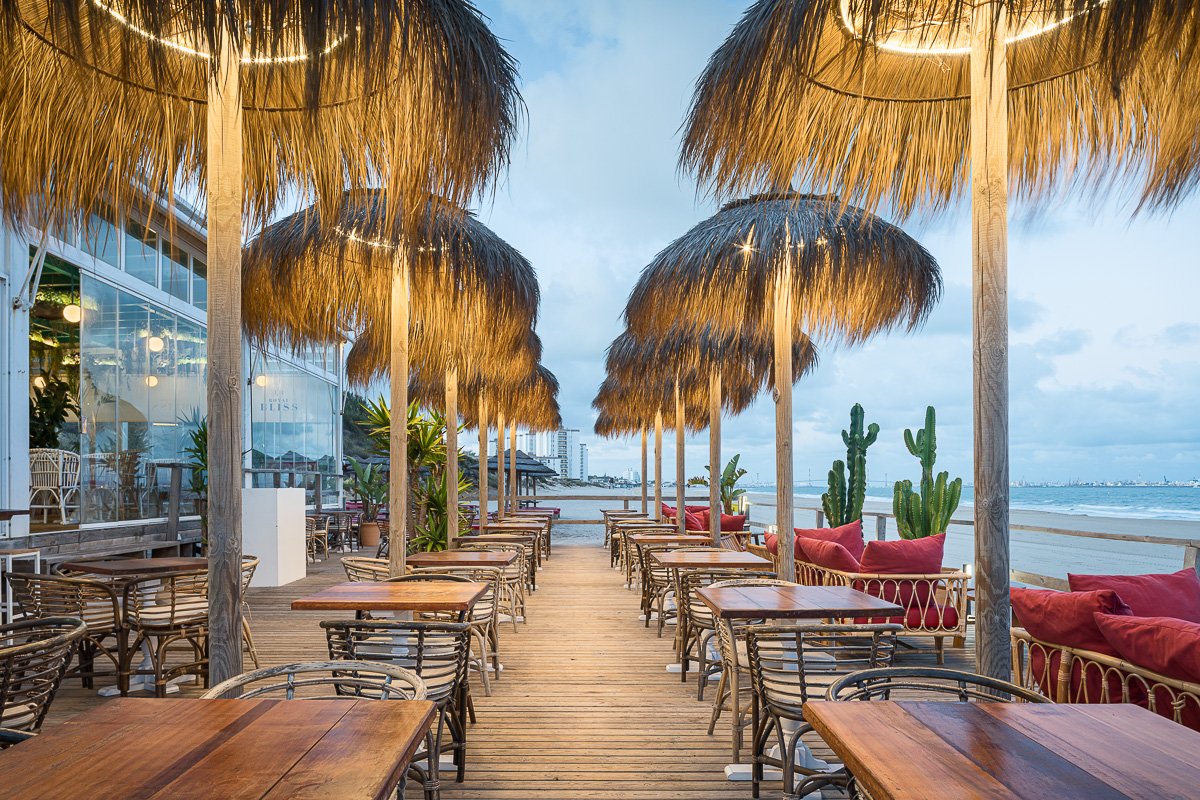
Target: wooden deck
585 707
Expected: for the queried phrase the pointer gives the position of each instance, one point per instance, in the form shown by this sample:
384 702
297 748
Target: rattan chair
361 568
165 613
34 656
792 664
316 537
697 626
385 537
437 652
249 565
483 618
95 602
511 601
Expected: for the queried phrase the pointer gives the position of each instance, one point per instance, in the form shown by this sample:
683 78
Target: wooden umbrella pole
512 465
398 431
225 192
452 519
500 430
989 258
644 470
680 480
784 512
482 470
658 465
714 456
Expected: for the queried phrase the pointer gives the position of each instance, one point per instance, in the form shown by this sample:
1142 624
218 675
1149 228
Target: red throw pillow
693 522
1175 594
668 511
905 556
830 555
772 542
1165 645
1067 618
849 536
696 509
733 522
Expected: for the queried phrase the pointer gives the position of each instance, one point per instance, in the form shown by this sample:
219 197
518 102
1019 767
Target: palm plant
196 450
729 478
49 406
369 486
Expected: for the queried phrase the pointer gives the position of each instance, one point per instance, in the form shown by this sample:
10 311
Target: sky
1105 329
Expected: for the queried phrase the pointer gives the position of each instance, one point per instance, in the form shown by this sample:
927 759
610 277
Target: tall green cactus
844 501
928 512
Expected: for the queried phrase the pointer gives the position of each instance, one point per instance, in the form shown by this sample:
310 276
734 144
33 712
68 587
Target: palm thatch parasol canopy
873 100
417 96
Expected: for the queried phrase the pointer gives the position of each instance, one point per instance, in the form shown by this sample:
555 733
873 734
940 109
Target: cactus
928 512
848 487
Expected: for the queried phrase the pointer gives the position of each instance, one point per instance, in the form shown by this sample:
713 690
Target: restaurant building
103 348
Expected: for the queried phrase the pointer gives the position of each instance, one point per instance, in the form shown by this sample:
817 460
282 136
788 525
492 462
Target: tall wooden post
398 433
714 456
989 259
500 430
225 474
784 511
644 465
680 478
512 465
452 519
483 464
658 465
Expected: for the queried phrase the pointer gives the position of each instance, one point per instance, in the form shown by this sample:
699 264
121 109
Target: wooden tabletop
794 602
903 750
669 538
138 566
232 749
403 596
461 558
709 558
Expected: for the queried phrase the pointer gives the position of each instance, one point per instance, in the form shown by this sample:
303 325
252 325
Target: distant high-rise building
583 462
560 450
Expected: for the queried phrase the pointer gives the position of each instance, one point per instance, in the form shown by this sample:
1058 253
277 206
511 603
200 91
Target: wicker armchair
95 602
34 655
249 565
792 664
658 584
511 601
361 568
935 604
165 613
483 618
316 537
437 652
697 624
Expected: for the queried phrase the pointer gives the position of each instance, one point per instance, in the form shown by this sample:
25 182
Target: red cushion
1175 594
1165 645
693 522
696 509
667 511
772 542
1066 618
933 618
830 555
733 522
905 556
849 536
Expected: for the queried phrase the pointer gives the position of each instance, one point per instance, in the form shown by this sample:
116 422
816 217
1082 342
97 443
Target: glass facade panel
141 252
175 273
199 284
100 238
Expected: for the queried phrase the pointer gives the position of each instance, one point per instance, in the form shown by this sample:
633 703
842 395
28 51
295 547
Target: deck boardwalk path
584 709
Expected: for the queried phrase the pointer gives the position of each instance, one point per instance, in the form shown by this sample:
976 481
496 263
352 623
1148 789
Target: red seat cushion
694 522
830 555
1067 618
1166 645
849 536
904 556
733 522
1175 594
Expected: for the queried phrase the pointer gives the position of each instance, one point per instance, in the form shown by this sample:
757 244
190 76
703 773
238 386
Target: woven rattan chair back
437 652
41 596
792 664
169 601
485 607
725 644
928 683
34 656
385 537
324 680
361 568
689 580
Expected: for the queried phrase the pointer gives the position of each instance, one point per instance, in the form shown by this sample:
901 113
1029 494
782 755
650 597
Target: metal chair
34 655
95 602
162 613
438 653
792 664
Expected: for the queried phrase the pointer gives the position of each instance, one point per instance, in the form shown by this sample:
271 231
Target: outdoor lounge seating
34 655
53 481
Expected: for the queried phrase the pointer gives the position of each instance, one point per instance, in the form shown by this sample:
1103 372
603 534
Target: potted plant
49 406
197 452
928 512
368 486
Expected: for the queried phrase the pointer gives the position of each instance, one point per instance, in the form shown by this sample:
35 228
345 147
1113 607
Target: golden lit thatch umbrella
900 104
777 267
251 101
468 296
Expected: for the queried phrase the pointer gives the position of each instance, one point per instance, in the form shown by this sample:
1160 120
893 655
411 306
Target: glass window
141 252
100 238
175 272
199 284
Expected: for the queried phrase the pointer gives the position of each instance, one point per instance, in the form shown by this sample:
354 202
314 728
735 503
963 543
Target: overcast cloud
1105 342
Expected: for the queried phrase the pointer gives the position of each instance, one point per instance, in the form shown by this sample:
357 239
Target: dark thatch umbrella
776 267
252 100
468 297
900 103
620 416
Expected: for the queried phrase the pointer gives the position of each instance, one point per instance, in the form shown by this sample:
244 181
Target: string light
354 236
909 41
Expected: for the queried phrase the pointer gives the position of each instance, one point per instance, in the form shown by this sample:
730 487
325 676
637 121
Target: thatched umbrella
468 296
777 267
901 103
250 100
621 416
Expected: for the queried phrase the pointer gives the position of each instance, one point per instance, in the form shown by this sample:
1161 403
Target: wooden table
130 567
232 749
903 750
403 596
794 602
715 559
461 558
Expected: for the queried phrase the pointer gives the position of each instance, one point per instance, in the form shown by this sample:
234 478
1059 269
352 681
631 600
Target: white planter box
273 530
